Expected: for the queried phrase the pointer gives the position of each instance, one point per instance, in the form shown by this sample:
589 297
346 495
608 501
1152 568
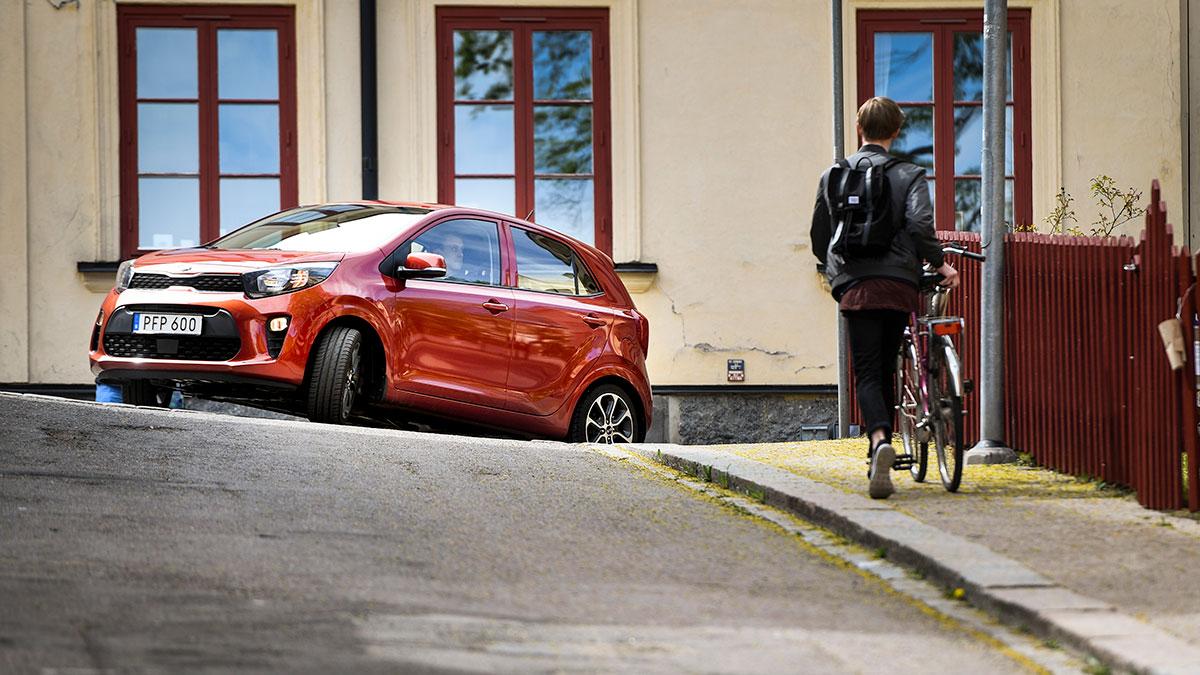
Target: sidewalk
1073 560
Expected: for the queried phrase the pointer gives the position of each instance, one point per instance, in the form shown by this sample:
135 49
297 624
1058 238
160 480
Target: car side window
550 266
471 249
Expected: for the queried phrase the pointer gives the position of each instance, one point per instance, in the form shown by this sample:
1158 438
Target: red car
375 307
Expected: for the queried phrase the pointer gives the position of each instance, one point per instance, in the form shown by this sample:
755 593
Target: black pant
875 337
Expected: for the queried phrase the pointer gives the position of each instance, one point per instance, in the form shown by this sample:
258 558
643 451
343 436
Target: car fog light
278 324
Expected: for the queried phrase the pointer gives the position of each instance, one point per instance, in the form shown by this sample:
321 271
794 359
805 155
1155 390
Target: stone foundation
707 418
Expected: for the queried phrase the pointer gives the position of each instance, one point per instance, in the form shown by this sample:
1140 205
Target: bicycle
929 383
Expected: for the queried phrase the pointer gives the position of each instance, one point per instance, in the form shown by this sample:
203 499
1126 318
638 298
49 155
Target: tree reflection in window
483 65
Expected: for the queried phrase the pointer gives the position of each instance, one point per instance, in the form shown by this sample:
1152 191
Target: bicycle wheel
908 409
946 413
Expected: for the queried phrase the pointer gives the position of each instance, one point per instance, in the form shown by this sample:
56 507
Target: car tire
335 382
606 414
141 392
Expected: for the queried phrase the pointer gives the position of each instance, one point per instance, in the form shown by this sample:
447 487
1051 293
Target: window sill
637 276
97 275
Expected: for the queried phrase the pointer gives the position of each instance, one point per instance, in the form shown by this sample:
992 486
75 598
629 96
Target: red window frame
522 22
943 25
206 20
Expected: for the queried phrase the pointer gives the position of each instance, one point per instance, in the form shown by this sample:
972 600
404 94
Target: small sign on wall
736 370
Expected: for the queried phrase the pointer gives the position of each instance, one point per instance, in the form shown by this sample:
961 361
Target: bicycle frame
928 351
927 330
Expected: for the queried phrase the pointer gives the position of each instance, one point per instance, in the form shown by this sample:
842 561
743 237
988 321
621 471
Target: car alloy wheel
353 378
609 420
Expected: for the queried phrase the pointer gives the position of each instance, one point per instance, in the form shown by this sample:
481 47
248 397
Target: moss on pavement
842 463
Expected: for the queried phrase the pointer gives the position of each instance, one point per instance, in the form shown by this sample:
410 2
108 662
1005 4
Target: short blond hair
880 118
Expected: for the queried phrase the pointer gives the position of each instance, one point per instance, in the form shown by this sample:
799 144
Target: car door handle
593 320
495 306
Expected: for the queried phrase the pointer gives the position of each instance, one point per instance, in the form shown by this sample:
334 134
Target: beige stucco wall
343 123
62 176
14 283
720 127
1120 99
735 131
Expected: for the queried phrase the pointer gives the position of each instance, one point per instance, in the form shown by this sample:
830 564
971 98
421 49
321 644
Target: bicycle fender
952 362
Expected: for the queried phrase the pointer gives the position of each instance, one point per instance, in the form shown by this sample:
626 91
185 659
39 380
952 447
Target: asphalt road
167 541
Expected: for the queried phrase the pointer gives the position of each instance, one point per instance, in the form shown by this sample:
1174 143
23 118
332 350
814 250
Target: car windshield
339 228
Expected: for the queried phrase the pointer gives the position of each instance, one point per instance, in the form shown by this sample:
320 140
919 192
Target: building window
208 120
931 63
523 116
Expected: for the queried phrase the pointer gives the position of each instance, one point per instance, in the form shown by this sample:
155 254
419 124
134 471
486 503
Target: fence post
1188 399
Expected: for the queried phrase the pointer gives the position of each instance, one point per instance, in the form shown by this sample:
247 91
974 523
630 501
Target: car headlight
278 280
124 275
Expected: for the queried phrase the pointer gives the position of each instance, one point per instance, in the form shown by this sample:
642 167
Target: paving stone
1090 624
1050 599
1155 652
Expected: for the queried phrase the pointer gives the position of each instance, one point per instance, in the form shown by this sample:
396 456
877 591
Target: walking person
872 227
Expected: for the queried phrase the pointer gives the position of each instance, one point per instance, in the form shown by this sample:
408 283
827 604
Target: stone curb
996 584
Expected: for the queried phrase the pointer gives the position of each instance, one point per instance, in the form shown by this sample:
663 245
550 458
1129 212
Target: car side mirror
422 266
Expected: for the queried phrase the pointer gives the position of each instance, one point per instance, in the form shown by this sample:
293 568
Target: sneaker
881 467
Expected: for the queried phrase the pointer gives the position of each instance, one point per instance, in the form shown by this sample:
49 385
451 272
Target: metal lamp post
839 152
991 448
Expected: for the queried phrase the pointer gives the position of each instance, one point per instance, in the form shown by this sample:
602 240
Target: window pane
1008 203
915 142
247 64
168 138
483 139
245 200
968 67
483 64
933 199
562 138
968 140
543 264
562 65
168 212
493 194
166 62
904 66
566 205
249 138
471 249
968 203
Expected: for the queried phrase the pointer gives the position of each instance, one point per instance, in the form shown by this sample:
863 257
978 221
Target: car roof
435 207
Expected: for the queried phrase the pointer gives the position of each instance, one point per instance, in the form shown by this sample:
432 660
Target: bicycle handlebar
958 250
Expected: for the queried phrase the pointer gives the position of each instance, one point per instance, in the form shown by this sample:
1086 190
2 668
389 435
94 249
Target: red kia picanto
360 308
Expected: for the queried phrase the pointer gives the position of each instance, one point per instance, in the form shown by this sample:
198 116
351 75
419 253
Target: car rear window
341 228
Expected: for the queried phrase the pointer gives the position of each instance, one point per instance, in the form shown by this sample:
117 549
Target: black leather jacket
912 244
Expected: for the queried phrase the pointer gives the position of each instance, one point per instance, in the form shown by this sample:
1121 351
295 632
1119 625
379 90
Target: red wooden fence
1088 387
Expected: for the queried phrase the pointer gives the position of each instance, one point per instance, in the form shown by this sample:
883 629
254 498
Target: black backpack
860 208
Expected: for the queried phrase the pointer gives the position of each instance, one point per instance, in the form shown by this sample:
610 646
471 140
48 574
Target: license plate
170 324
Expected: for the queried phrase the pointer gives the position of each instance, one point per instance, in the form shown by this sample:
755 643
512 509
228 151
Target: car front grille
182 347
225 283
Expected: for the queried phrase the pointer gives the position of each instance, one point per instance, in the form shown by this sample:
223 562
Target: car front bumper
235 344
